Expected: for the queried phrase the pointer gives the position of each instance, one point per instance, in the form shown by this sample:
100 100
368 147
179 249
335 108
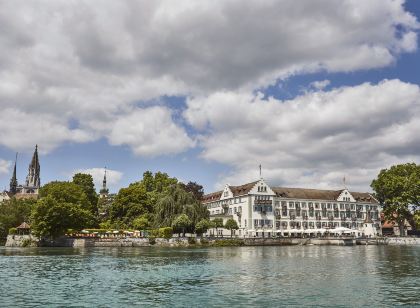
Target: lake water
328 276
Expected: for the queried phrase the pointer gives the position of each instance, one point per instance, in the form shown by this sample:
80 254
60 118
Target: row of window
263 208
324 213
329 206
311 225
263 223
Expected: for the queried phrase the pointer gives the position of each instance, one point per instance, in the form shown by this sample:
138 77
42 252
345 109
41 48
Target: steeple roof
13 180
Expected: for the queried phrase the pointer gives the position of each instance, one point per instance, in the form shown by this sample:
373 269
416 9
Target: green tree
195 189
417 219
51 218
85 182
141 223
397 189
175 201
181 223
217 223
66 192
13 212
202 226
231 225
130 203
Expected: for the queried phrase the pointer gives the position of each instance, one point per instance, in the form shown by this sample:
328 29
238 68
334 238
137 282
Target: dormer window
225 194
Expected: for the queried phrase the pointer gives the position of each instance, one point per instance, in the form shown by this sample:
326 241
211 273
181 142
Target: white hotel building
264 211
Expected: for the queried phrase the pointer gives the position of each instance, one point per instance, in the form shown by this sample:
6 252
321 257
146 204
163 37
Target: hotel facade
264 211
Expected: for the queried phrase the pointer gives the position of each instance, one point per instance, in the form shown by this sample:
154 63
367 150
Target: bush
165 232
26 242
152 240
12 231
191 241
204 241
230 242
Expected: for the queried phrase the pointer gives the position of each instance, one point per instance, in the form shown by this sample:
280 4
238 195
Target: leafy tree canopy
141 223
181 223
231 225
13 212
195 189
397 189
85 182
51 218
202 226
217 223
130 203
67 192
175 201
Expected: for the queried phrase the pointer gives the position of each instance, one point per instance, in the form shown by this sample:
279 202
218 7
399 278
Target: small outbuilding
24 229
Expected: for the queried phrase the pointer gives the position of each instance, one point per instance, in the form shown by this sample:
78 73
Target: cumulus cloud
69 70
320 84
314 138
4 166
149 131
113 177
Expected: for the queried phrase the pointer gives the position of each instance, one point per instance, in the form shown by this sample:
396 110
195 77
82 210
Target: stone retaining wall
28 240
21 241
403 241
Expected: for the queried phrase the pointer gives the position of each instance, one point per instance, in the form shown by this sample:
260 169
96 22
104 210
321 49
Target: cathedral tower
13 180
33 179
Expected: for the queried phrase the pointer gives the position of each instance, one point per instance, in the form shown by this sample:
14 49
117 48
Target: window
225 194
291 205
256 222
303 204
328 205
284 210
317 205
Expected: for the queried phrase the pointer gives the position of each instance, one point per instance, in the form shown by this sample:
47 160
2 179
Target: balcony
263 202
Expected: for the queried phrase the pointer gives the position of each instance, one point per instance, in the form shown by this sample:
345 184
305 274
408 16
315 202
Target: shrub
191 241
165 232
12 231
26 242
204 241
228 242
152 240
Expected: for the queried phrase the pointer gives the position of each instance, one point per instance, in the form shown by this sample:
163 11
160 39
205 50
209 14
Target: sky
314 91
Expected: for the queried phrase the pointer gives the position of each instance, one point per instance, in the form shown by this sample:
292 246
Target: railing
263 202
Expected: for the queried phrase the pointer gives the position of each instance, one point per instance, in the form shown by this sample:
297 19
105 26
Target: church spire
13 180
33 178
104 190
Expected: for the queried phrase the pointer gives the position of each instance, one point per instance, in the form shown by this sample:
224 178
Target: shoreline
30 241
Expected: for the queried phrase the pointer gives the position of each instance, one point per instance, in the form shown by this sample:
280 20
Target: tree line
159 201
156 201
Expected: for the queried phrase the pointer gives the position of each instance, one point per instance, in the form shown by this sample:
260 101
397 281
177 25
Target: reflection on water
232 276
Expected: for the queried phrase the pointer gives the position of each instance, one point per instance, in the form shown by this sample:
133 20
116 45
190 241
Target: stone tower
33 179
13 180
